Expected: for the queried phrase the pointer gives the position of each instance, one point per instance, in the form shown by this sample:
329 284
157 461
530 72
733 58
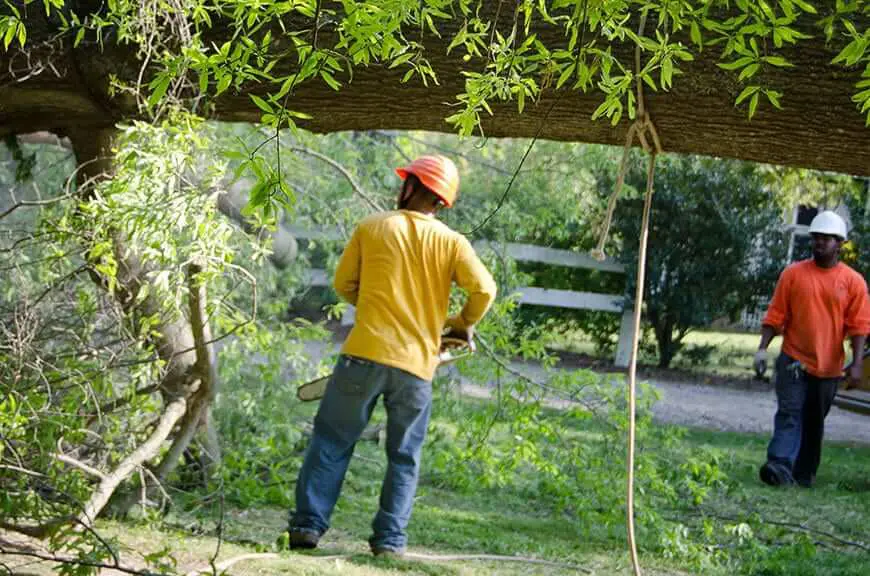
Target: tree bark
52 86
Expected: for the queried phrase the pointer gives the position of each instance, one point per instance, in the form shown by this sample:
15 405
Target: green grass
516 520
732 352
521 518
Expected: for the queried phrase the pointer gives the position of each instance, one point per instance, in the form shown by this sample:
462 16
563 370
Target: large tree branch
818 127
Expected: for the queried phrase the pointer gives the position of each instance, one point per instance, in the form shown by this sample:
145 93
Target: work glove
456 328
760 363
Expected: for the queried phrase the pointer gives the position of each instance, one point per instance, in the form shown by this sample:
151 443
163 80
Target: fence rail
529 295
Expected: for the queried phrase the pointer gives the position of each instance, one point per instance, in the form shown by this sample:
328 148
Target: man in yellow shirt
397 270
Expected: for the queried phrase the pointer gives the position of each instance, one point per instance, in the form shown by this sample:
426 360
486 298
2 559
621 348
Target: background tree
715 244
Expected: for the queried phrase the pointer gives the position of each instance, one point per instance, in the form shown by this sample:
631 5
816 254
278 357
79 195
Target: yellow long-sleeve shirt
397 270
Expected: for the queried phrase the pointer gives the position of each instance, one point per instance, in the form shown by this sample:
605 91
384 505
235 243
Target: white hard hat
830 223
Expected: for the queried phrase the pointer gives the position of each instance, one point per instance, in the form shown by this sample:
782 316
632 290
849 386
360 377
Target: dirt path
722 408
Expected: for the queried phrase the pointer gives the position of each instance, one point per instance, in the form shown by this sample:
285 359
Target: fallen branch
69 460
528 379
146 451
68 560
793 526
37 531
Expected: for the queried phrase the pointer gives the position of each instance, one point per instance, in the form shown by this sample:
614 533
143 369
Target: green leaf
806 6
778 61
330 80
402 59
224 83
459 38
748 91
262 104
22 34
696 34
203 80
158 90
566 74
773 96
861 96
739 63
301 115
853 51
753 104
10 33
749 71
765 7
286 86
667 73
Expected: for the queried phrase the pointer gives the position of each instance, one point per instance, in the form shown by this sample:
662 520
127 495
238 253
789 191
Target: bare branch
80 465
347 175
145 451
5 549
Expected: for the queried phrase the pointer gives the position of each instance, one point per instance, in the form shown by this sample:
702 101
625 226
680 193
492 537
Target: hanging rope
641 127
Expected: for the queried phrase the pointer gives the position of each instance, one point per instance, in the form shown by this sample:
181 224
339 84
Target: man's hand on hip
460 332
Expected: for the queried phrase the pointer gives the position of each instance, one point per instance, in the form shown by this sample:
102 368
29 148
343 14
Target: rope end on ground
598 254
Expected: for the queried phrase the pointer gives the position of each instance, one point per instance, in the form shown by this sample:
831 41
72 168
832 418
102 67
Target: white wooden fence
532 295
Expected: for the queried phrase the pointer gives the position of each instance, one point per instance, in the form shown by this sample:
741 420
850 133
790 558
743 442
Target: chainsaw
452 349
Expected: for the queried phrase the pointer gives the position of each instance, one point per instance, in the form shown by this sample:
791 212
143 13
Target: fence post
626 332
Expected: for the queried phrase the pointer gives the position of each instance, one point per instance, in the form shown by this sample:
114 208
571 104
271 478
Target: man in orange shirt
817 304
397 269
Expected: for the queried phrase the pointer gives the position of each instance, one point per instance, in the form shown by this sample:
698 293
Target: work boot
775 474
387 552
301 538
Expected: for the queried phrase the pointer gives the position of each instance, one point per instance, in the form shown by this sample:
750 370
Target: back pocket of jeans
353 374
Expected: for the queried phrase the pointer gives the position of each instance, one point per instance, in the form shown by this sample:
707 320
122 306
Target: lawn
818 531
700 506
727 353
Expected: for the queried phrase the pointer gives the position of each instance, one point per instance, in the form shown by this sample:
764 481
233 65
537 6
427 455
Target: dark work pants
803 402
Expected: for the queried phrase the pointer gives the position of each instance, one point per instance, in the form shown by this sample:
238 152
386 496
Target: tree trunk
189 384
65 89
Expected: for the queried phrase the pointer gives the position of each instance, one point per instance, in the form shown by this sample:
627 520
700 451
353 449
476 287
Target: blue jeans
344 411
803 402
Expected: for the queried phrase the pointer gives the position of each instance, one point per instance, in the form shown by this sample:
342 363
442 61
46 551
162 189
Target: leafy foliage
714 246
81 370
580 45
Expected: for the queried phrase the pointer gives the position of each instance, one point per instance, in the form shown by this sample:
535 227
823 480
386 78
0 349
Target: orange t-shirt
815 309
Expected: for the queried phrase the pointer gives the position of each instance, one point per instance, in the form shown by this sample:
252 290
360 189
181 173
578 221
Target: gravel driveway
721 408
743 411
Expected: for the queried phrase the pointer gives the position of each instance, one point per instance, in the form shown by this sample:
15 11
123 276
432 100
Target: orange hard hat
437 173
